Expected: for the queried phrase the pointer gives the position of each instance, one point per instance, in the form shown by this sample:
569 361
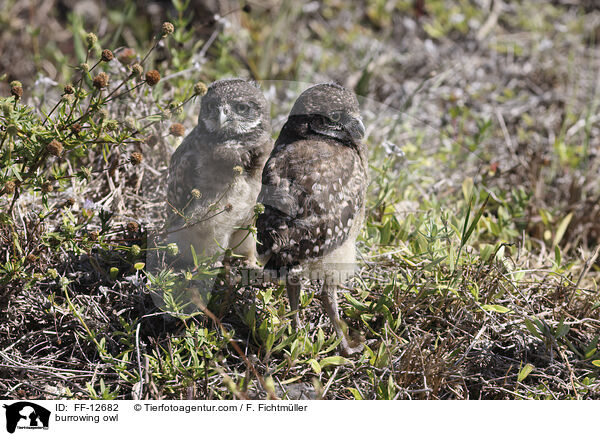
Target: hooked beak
222 116
356 128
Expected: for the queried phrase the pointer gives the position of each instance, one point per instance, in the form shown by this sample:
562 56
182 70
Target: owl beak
356 128
222 116
361 128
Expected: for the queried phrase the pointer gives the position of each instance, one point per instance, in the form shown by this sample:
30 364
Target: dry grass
508 311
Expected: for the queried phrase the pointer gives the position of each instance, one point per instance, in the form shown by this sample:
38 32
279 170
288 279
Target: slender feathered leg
293 287
329 300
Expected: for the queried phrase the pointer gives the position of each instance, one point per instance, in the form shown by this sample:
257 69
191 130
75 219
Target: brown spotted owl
215 174
314 186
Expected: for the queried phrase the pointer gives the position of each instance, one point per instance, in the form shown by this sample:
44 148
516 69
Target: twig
331 379
491 21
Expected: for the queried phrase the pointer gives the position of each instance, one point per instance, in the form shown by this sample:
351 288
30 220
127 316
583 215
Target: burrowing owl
314 186
214 175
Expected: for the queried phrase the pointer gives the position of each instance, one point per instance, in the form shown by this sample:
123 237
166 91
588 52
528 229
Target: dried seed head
172 249
68 89
228 207
9 187
137 70
93 235
68 98
177 129
200 89
132 227
130 123
111 125
47 187
55 148
259 209
196 193
176 108
31 258
100 81
135 250
7 108
152 77
76 128
136 158
107 55
167 29
91 39
85 67
238 170
103 114
16 89
70 201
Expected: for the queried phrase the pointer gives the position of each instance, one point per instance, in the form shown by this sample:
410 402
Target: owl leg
244 244
329 300
293 287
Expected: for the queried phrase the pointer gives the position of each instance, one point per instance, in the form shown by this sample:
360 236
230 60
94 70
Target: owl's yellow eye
241 108
335 116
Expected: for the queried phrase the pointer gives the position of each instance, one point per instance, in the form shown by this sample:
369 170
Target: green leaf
359 305
139 265
270 341
495 308
596 362
562 228
467 188
355 393
532 329
525 372
16 172
467 234
315 366
386 233
557 255
561 330
334 361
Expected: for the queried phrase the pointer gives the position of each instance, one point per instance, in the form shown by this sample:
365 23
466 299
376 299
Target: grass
478 259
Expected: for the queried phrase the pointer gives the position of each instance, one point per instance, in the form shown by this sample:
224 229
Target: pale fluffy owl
215 174
314 186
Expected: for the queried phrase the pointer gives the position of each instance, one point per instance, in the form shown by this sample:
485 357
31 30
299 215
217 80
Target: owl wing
313 191
182 177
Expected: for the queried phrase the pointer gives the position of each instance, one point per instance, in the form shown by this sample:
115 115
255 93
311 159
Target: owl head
330 110
233 108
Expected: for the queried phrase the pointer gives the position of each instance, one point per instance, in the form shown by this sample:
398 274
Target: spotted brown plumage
311 201
214 175
314 185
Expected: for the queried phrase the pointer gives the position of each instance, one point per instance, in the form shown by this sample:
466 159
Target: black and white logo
26 415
